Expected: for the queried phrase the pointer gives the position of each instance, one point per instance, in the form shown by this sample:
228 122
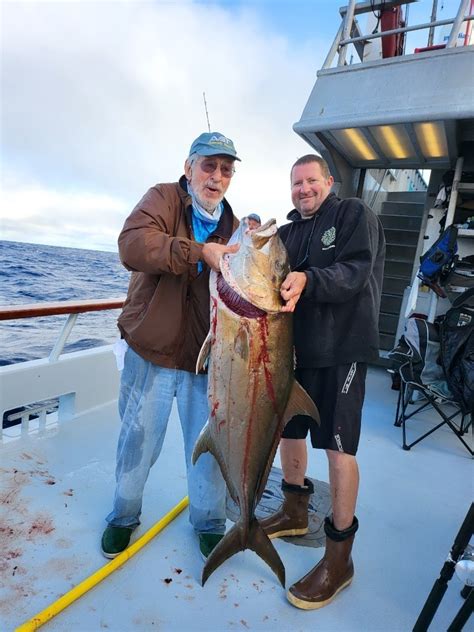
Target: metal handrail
403 29
341 41
31 310
72 308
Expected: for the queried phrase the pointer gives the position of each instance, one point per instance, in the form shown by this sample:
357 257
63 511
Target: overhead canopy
408 111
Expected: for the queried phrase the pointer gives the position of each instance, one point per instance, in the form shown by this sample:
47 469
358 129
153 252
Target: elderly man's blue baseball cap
213 144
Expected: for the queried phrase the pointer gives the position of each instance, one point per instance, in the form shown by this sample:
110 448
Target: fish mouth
236 303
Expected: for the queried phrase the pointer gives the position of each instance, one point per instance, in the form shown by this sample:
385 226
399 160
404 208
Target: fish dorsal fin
204 353
300 403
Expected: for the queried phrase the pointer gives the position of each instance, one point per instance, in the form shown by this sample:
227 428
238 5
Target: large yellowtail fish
252 392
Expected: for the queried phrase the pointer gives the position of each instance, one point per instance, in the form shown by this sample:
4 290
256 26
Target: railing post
347 31
334 47
458 20
454 192
61 341
433 19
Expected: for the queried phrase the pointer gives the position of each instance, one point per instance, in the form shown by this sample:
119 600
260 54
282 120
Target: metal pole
349 19
64 335
439 588
433 19
334 47
458 20
360 184
453 200
417 27
407 13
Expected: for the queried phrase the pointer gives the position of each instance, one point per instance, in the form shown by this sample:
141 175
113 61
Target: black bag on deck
417 356
457 349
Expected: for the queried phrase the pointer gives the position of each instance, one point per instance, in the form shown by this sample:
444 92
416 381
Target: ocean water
32 273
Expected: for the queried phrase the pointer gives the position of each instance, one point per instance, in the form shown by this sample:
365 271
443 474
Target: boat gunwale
31 310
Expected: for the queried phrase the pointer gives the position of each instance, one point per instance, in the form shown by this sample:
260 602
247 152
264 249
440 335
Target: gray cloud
104 98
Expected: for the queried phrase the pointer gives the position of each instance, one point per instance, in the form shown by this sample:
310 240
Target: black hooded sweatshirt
341 249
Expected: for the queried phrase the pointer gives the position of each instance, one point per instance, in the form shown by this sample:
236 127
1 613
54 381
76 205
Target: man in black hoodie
337 250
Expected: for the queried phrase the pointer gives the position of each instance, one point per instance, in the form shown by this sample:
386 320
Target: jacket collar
295 216
224 227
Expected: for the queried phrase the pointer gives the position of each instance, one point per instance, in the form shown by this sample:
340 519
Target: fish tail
262 545
230 544
233 542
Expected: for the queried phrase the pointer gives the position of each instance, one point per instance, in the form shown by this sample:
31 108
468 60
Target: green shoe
208 542
115 540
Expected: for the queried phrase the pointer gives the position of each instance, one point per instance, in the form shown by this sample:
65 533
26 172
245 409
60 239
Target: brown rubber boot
333 573
292 517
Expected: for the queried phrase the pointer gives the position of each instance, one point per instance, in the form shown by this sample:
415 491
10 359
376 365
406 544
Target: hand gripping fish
252 392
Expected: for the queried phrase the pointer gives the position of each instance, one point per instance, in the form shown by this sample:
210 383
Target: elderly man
336 249
174 235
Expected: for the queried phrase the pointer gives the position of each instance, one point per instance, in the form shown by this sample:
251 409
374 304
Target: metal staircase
401 219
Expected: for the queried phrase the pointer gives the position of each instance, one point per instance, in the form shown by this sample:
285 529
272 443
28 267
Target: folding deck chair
444 406
422 384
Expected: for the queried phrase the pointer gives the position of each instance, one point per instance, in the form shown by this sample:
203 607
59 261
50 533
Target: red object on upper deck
425 48
392 45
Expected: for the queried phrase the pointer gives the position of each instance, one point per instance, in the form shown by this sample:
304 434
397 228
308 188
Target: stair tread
404 230
391 260
400 215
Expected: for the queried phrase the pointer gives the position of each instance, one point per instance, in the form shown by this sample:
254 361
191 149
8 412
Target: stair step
396 268
391 303
395 236
403 208
395 285
387 341
407 196
400 252
405 222
388 323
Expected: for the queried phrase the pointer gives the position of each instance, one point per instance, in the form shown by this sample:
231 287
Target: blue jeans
146 396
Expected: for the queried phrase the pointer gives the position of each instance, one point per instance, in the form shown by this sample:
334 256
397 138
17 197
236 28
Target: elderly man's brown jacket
165 318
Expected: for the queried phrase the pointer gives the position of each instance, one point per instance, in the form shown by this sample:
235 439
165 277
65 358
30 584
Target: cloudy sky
101 99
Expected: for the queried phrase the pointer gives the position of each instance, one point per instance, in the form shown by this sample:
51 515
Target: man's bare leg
344 484
294 459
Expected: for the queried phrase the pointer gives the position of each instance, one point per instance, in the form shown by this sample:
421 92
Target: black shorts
338 392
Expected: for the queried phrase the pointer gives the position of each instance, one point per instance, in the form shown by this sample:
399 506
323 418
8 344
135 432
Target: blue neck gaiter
204 224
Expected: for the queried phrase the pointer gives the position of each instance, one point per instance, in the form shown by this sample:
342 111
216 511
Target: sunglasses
210 166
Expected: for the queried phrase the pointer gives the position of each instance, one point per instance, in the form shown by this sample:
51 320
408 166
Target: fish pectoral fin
300 403
203 357
203 444
263 547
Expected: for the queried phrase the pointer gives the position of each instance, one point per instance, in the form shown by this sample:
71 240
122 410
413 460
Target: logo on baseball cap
213 144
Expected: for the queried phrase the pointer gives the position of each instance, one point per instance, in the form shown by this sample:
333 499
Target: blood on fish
264 358
214 317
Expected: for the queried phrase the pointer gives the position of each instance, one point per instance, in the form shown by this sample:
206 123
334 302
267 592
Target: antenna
205 108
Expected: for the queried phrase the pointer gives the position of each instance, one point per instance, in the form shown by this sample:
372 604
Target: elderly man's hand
212 253
291 290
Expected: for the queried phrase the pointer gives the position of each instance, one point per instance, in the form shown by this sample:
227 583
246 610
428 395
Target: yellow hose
74 594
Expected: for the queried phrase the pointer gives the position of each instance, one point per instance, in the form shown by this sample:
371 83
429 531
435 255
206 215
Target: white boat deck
56 487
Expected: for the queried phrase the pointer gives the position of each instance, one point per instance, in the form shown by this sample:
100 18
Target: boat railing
72 308
37 394
349 26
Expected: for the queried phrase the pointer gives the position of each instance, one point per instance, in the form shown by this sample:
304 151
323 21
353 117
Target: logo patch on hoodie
328 239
